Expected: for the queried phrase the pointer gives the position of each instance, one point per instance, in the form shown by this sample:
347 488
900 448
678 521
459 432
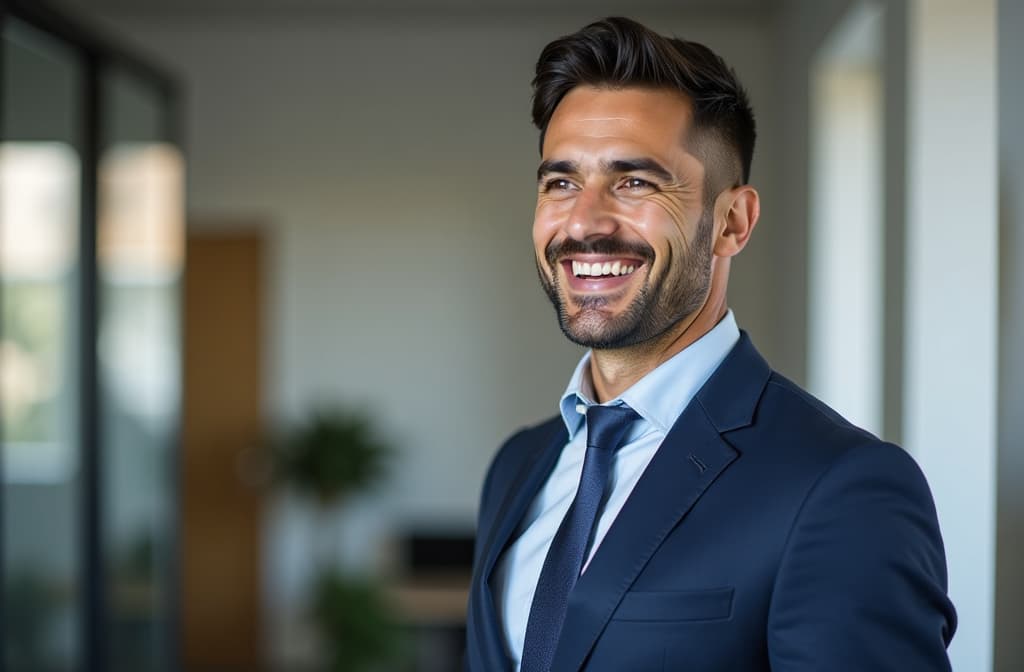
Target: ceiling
248 7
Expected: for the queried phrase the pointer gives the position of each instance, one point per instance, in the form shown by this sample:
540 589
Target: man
688 508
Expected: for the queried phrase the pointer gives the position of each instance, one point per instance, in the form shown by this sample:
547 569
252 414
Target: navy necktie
606 427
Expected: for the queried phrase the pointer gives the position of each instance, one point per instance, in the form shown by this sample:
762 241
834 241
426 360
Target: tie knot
607 425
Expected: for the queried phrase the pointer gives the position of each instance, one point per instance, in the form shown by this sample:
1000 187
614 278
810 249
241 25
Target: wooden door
221 513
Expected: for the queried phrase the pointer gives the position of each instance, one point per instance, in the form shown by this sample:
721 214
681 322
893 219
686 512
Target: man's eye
558 184
636 184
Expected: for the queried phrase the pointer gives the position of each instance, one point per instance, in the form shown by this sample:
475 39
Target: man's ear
736 214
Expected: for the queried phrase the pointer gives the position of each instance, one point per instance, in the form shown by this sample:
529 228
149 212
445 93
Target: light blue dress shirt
659 398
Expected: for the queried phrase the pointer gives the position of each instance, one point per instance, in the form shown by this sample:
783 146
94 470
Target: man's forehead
600 129
598 125
641 115
604 123
602 105
600 119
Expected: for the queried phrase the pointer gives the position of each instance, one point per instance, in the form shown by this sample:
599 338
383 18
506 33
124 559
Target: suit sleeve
862 580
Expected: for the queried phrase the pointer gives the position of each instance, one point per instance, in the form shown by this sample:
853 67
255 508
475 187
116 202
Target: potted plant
334 454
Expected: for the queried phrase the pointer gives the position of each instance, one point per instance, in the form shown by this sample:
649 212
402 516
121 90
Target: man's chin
597 329
610 304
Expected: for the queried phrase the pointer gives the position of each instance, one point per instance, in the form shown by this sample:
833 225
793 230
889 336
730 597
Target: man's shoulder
790 408
528 440
793 427
546 427
746 396
522 448
771 419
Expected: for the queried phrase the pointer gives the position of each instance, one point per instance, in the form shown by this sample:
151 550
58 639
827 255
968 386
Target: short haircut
618 53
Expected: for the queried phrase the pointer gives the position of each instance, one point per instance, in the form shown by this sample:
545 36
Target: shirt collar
661 395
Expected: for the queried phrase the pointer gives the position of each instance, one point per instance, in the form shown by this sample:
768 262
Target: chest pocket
669 606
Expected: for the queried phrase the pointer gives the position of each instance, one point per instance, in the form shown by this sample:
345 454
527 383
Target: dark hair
618 52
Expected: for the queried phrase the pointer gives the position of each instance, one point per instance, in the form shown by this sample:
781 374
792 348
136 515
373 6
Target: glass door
140 249
91 258
40 202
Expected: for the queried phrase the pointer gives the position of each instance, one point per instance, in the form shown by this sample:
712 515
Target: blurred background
268 304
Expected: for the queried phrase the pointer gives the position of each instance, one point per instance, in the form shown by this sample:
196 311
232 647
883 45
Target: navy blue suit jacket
768 533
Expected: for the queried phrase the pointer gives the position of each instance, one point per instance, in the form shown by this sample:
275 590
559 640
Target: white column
846 300
952 294
1009 647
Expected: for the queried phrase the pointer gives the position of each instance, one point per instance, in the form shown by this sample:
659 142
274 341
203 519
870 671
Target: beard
659 304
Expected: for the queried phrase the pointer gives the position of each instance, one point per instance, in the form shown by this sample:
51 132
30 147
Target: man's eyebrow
548 167
644 165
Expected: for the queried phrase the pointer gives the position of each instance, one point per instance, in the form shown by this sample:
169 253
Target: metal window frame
97 53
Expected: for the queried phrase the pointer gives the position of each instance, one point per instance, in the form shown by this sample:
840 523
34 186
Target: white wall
392 160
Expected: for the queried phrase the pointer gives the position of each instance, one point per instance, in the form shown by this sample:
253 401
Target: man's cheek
545 232
540 247
546 205
671 206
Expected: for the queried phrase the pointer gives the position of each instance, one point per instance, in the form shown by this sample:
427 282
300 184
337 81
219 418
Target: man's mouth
597 269
598 274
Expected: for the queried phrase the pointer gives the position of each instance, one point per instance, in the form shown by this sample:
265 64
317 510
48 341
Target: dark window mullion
94 576
173 133
3 480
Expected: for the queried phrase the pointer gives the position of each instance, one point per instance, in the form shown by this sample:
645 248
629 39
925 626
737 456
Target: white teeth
597 270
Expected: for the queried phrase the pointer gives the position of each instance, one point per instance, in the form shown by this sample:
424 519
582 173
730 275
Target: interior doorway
223 422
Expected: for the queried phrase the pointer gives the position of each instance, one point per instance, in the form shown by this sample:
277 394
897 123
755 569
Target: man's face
623 242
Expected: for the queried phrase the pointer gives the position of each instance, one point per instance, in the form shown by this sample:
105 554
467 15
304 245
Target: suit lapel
538 459
689 460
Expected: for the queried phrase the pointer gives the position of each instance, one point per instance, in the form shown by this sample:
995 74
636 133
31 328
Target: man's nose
591 215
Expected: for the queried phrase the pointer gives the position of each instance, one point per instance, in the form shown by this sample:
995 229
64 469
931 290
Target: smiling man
687 508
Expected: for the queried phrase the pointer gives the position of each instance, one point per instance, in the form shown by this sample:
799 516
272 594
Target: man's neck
612 372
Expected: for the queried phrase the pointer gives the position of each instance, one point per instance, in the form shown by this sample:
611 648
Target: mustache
607 246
